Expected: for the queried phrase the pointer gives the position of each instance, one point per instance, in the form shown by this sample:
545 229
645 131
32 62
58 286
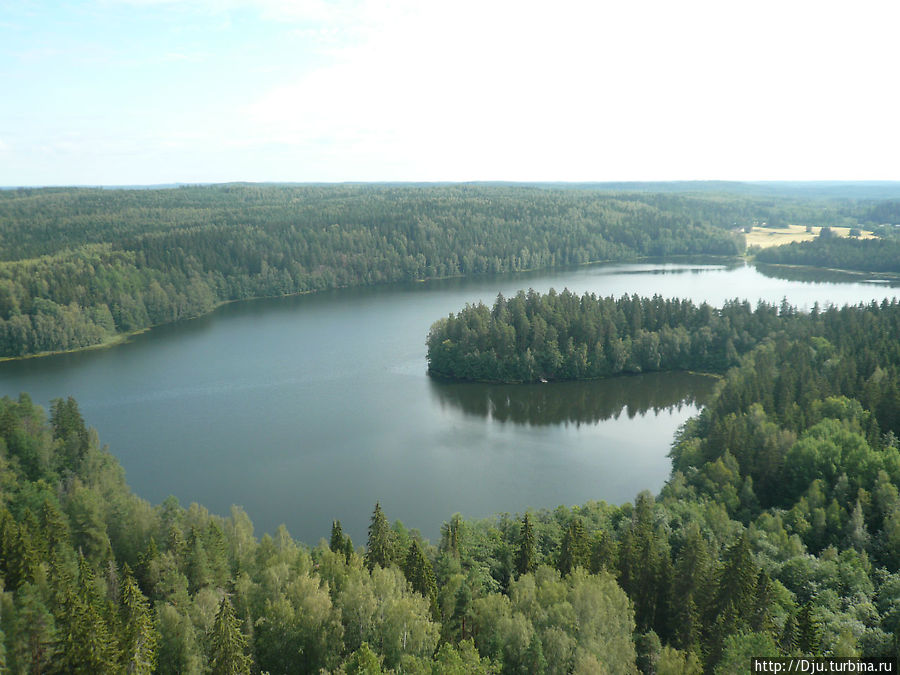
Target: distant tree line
80 265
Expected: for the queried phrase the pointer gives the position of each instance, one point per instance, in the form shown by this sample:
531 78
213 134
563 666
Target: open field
776 236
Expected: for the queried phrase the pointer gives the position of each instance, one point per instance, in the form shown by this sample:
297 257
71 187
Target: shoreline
123 338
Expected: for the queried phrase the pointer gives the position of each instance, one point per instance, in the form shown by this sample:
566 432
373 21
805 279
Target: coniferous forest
866 255
80 266
778 532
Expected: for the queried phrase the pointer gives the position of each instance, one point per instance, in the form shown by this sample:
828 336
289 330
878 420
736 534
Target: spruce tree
337 537
691 583
420 574
732 603
197 568
87 641
788 639
56 529
227 644
215 546
348 548
526 553
574 550
379 548
809 633
763 599
604 553
35 635
461 612
639 562
140 636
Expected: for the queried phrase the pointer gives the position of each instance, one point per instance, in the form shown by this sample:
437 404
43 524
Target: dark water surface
310 408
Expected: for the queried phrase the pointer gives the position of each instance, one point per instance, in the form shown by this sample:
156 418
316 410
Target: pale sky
160 91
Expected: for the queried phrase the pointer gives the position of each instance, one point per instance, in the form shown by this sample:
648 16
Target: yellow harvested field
772 236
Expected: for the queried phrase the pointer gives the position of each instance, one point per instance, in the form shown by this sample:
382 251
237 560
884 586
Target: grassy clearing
772 236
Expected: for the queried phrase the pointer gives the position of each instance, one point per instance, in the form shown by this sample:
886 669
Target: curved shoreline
123 338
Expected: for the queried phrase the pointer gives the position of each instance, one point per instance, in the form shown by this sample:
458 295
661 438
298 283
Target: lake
309 408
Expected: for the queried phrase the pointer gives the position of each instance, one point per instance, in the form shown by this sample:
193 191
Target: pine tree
214 543
140 636
733 599
763 598
176 544
228 647
809 633
87 641
639 563
691 582
788 638
526 554
380 546
54 525
337 537
196 562
604 553
451 533
35 636
144 562
348 548
420 574
574 550
461 612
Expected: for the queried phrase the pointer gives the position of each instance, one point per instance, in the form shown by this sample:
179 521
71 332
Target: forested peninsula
778 533
864 255
534 337
81 266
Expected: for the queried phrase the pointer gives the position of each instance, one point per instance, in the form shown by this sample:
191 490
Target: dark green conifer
420 574
56 529
216 554
809 633
228 646
348 548
460 613
140 636
35 635
690 588
763 599
379 549
451 533
574 550
526 551
639 562
733 599
197 568
337 537
604 553
788 638
88 645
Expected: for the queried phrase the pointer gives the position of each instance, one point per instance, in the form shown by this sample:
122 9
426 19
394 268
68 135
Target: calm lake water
310 408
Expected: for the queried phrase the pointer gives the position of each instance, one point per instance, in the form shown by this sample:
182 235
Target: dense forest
778 533
560 336
866 255
80 266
